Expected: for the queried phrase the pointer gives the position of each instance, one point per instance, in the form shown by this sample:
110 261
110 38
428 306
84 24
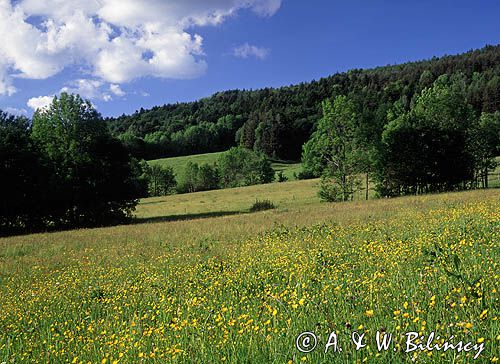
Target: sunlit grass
178 164
240 288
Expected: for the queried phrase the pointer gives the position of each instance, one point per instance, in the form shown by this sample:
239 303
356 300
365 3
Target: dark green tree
244 167
92 182
427 148
22 203
332 149
485 145
161 180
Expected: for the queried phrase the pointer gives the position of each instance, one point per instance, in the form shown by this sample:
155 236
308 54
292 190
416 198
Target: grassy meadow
214 286
178 163
494 175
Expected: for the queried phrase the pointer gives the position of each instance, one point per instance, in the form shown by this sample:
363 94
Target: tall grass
241 288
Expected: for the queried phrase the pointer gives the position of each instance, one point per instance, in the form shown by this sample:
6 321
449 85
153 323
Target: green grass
286 196
494 176
200 279
289 169
178 163
294 194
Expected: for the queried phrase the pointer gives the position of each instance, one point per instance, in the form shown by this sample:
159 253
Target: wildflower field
134 295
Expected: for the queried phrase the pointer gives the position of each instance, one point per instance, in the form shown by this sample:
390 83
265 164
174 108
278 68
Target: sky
127 54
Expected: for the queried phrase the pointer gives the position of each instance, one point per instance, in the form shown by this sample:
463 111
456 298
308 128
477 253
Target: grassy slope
178 163
169 221
135 290
285 196
230 201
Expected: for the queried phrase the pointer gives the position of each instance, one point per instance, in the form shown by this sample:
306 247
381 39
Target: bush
332 191
302 175
197 178
281 177
262 206
208 177
161 180
244 167
329 191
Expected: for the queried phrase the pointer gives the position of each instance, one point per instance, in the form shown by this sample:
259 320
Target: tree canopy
64 170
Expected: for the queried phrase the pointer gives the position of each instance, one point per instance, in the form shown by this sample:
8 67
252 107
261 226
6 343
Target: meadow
198 279
178 163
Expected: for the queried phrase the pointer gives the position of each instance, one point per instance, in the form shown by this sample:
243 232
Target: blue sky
128 54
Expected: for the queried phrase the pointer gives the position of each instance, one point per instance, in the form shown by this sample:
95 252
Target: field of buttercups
434 270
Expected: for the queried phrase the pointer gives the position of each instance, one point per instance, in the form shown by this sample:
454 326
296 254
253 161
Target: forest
279 121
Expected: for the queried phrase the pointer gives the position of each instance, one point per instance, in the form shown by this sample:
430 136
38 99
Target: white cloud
91 89
6 87
40 102
266 7
15 111
116 90
88 89
246 50
115 41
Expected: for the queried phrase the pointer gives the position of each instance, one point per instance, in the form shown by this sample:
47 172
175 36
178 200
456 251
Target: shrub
302 175
244 167
196 178
161 180
281 177
329 191
332 191
262 205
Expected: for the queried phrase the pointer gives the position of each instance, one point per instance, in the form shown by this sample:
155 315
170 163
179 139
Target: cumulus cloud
266 7
115 41
40 102
246 50
92 89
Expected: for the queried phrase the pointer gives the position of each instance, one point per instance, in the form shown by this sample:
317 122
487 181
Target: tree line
415 128
277 122
62 170
237 167
438 144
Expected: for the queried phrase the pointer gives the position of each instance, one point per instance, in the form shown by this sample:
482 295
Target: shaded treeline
63 170
438 144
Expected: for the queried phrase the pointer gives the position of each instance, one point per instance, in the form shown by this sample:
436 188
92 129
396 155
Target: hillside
178 164
279 121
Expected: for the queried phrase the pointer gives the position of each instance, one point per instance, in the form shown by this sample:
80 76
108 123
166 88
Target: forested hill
279 121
